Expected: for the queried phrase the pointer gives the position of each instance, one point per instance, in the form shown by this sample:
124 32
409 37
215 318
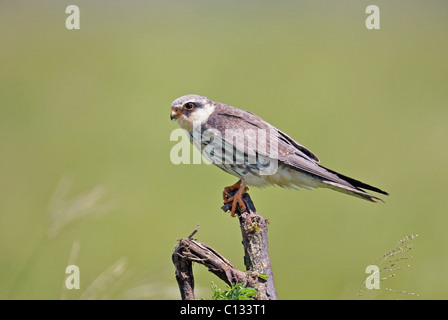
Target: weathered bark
258 273
256 256
190 250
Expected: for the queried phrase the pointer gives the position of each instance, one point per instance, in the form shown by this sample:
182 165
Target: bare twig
194 231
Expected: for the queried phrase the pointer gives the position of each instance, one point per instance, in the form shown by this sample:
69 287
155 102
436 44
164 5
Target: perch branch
258 273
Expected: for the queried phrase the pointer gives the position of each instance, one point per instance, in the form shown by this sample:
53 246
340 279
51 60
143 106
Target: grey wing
287 151
237 139
260 134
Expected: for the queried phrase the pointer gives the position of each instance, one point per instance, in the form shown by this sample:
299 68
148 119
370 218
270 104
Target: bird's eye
189 106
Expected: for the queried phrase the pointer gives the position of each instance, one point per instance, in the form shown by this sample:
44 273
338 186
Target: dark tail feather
351 191
356 183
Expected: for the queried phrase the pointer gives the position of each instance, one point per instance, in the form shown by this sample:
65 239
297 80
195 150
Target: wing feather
227 117
289 152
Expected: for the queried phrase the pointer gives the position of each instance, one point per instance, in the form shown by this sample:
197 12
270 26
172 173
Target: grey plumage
297 165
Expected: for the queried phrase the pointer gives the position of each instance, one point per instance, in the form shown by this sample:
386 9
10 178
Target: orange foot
237 198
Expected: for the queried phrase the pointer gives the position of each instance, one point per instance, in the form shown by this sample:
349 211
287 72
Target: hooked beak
175 113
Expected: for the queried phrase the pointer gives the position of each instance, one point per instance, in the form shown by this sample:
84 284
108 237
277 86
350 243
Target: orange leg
230 188
237 198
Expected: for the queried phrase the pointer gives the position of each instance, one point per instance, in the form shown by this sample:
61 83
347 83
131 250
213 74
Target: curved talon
237 198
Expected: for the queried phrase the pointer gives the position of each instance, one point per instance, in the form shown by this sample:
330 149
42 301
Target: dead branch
258 273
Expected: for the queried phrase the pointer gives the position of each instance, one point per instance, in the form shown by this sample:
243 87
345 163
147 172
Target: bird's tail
353 187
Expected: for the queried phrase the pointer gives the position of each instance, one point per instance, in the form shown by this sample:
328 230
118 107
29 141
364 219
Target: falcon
258 154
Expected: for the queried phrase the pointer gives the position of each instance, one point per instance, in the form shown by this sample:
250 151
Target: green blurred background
86 177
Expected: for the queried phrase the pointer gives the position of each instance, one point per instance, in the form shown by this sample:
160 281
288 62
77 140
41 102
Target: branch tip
194 231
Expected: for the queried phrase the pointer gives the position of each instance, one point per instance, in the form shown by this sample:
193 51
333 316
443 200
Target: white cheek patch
200 115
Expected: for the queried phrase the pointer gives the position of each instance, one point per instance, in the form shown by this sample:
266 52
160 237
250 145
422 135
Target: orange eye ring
189 106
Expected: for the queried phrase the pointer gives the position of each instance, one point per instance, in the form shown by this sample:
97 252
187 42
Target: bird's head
190 109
